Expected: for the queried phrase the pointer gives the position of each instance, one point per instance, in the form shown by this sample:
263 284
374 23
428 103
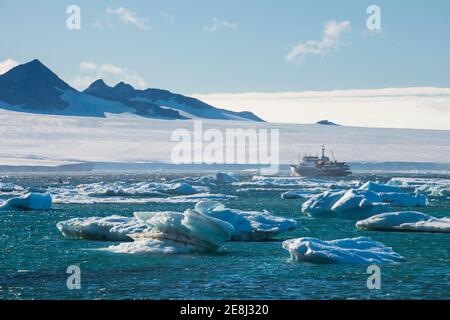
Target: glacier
359 250
129 139
408 221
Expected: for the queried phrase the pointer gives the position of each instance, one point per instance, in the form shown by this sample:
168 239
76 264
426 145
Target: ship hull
314 172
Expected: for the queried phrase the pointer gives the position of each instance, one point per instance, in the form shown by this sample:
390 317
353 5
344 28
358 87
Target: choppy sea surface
35 255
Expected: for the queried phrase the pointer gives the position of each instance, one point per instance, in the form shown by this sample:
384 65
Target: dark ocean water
34 255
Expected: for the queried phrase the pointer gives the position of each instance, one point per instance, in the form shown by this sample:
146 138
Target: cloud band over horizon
413 107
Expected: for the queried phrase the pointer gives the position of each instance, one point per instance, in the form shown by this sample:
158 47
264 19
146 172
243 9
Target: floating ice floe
139 192
225 178
174 232
396 196
378 187
359 250
112 228
368 200
404 199
405 221
7 187
297 182
30 201
359 204
298 194
248 225
432 187
321 204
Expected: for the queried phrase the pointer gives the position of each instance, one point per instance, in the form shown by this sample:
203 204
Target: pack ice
359 250
368 200
30 201
248 225
405 221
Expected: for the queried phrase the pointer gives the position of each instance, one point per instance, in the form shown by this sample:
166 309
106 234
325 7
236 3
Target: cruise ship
313 166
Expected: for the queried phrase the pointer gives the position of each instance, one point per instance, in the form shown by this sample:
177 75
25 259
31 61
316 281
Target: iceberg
404 199
293 194
359 250
248 225
357 204
378 187
191 230
321 204
410 221
30 201
149 246
361 203
225 178
152 232
9 187
112 228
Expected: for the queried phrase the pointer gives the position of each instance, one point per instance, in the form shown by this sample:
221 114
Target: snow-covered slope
32 87
30 139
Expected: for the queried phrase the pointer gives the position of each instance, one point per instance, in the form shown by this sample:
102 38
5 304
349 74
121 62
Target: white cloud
415 107
170 18
218 24
331 40
129 17
110 73
7 65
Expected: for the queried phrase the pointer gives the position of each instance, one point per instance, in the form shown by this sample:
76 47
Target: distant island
327 123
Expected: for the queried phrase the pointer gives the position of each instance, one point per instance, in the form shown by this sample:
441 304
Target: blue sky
218 49
180 53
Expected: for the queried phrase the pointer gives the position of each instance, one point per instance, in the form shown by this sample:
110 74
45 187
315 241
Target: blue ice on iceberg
30 201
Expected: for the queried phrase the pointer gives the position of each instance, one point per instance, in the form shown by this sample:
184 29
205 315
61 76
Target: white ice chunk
224 178
293 194
30 201
191 229
405 221
149 246
404 199
359 250
321 203
112 228
9 187
248 225
378 187
359 204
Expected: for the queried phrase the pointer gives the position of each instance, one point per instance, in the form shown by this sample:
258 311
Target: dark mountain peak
34 86
124 88
97 84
